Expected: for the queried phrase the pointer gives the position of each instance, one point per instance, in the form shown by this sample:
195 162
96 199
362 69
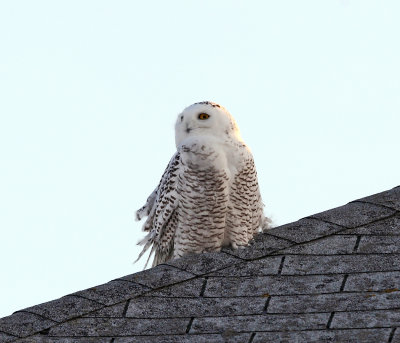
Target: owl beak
188 129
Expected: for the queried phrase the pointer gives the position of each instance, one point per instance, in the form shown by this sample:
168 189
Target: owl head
205 118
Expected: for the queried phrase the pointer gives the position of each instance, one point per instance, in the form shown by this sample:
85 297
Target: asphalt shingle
21 324
325 336
379 244
65 308
386 227
272 285
156 307
366 319
355 214
335 244
230 337
320 264
113 291
190 288
389 198
334 302
6 337
266 266
100 327
45 339
379 281
305 230
114 311
200 264
396 336
271 322
159 276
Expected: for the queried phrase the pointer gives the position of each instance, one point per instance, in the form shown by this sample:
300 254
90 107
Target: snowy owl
208 196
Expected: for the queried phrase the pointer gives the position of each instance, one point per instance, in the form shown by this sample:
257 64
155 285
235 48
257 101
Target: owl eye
204 116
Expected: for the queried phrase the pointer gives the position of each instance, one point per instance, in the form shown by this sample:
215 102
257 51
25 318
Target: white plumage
208 196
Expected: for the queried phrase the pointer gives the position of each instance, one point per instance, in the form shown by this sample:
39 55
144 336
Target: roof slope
330 277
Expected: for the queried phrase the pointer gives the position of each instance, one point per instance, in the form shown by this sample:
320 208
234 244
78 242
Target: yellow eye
203 116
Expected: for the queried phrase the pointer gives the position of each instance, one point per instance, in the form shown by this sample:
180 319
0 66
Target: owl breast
215 202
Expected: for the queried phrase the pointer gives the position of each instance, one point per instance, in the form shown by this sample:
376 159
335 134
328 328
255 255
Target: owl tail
147 241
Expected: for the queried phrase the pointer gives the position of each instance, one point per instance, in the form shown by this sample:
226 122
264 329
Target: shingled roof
330 277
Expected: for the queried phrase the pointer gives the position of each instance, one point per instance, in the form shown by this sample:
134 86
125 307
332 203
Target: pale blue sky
89 92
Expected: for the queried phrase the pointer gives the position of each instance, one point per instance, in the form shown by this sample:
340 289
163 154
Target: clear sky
89 93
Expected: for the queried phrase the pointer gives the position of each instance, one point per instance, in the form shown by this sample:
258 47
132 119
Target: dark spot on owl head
213 104
181 118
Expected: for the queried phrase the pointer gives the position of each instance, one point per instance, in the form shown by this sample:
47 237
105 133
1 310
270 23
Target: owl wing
246 216
160 208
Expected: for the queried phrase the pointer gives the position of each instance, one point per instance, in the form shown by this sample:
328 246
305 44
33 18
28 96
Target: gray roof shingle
330 277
